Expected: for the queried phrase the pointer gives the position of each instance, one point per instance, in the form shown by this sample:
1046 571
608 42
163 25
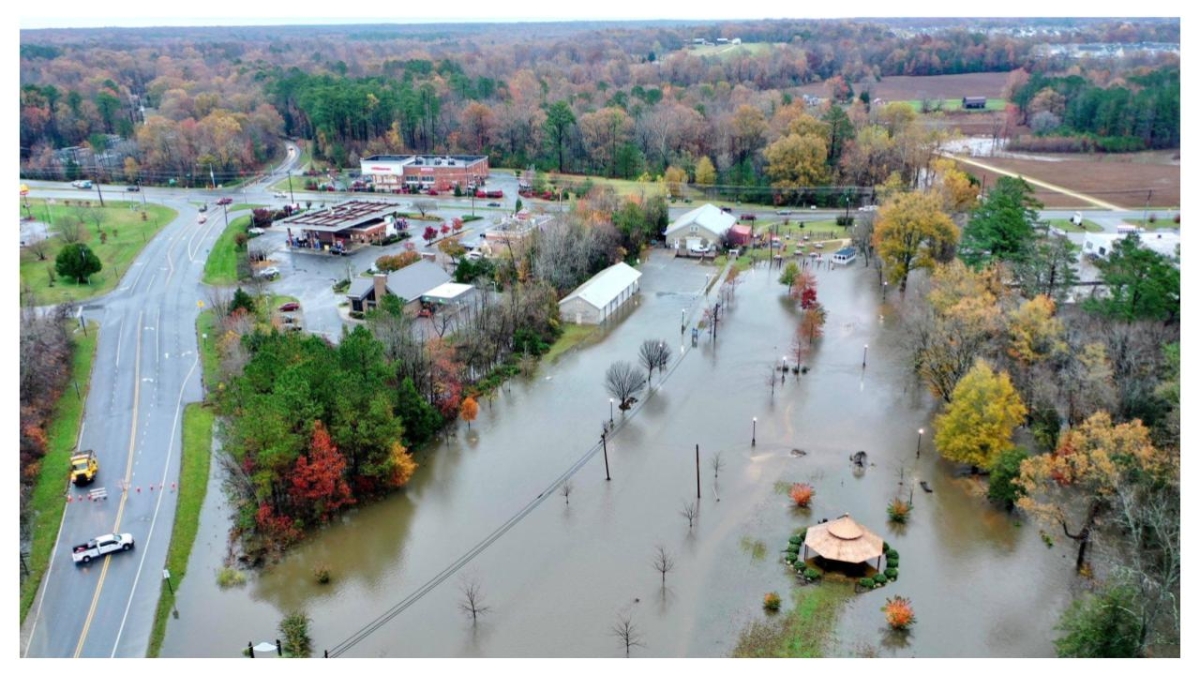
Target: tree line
990 331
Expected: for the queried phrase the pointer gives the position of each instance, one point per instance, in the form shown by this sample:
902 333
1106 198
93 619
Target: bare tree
627 633
771 377
218 300
566 490
472 600
39 246
654 354
69 229
424 206
688 511
663 562
624 382
717 462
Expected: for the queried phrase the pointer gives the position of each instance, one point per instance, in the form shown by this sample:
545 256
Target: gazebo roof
845 540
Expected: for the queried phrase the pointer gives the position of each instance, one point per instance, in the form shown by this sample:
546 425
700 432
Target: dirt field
1124 180
910 88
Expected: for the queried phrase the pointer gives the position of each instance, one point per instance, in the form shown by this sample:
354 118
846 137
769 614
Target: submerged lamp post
753 431
920 435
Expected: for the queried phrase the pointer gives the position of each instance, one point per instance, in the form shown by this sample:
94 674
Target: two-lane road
146 370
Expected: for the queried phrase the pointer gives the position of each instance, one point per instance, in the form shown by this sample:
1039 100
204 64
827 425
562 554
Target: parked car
224 201
748 216
133 188
256 231
474 255
202 220
267 273
203 208
280 195
289 307
494 204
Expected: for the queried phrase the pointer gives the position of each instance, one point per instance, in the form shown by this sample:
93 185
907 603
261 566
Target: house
700 228
602 295
449 296
409 284
844 256
974 102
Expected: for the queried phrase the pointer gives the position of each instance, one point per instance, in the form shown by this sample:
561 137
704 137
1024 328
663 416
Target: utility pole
101 194
604 441
697 471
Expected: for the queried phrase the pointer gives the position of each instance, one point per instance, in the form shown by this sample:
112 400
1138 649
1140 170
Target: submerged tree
624 382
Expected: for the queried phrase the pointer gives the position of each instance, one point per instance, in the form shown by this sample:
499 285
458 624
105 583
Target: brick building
419 173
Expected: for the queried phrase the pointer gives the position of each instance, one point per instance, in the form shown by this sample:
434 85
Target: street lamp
864 356
920 435
610 412
604 441
754 432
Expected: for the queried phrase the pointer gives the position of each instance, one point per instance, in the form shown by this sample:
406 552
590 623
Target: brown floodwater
982 582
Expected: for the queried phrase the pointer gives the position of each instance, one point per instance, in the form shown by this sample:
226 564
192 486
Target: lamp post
864 356
604 441
920 435
753 431
610 412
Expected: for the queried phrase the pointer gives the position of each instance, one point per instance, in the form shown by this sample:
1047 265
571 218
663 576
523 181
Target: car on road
133 188
84 467
202 220
748 216
82 184
784 212
289 307
267 273
224 201
101 546
256 231
868 207
280 195
203 208
494 204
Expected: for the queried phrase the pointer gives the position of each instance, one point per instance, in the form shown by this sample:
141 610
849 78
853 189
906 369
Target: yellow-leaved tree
403 465
469 410
706 173
1034 333
913 232
979 421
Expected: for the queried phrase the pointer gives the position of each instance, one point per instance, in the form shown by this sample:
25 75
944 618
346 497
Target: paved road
146 370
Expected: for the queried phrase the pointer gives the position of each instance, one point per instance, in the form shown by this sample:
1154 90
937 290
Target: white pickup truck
101 546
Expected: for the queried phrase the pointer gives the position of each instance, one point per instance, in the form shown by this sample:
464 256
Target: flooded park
487 506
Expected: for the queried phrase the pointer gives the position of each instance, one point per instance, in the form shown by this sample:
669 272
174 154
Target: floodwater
557 579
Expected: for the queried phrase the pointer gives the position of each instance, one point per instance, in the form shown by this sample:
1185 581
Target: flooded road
559 578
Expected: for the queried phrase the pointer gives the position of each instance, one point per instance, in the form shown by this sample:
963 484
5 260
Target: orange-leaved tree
469 410
802 494
319 485
899 613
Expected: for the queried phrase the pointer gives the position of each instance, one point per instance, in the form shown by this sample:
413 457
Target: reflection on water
558 580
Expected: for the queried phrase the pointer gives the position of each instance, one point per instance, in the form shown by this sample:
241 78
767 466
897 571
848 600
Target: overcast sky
79 14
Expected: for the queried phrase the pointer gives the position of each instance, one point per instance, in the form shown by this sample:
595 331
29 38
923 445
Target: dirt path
1033 181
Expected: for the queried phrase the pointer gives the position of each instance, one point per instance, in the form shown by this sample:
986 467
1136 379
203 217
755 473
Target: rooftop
338 217
606 285
707 216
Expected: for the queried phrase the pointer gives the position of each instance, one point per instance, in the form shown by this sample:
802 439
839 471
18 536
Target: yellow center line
137 383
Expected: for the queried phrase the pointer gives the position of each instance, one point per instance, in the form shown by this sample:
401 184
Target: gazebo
843 540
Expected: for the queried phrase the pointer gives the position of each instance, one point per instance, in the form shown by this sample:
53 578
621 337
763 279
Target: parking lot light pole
753 431
864 356
920 435
610 412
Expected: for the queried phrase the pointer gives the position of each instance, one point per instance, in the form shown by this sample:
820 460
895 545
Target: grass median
195 458
221 268
49 500
804 631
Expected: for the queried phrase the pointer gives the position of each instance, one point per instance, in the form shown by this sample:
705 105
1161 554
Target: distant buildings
700 228
418 173
602 295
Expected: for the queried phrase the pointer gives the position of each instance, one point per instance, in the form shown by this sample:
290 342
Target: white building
1100 244
699 228
602 295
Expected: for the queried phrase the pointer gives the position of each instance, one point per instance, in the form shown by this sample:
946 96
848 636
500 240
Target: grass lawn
955 105
221 266
1159 223
125 235
193 486
207 337
804 630
573 335
49 501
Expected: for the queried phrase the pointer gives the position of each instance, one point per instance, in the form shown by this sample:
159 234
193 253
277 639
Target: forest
616 99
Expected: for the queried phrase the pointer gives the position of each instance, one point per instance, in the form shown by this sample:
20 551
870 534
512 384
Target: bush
296 641
886 547
893 563
899 613
892 554
881 578
796 540
321 574
793 548
866 582
891 573
812 574
790 558
898 511
802 494
771 602
229 576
